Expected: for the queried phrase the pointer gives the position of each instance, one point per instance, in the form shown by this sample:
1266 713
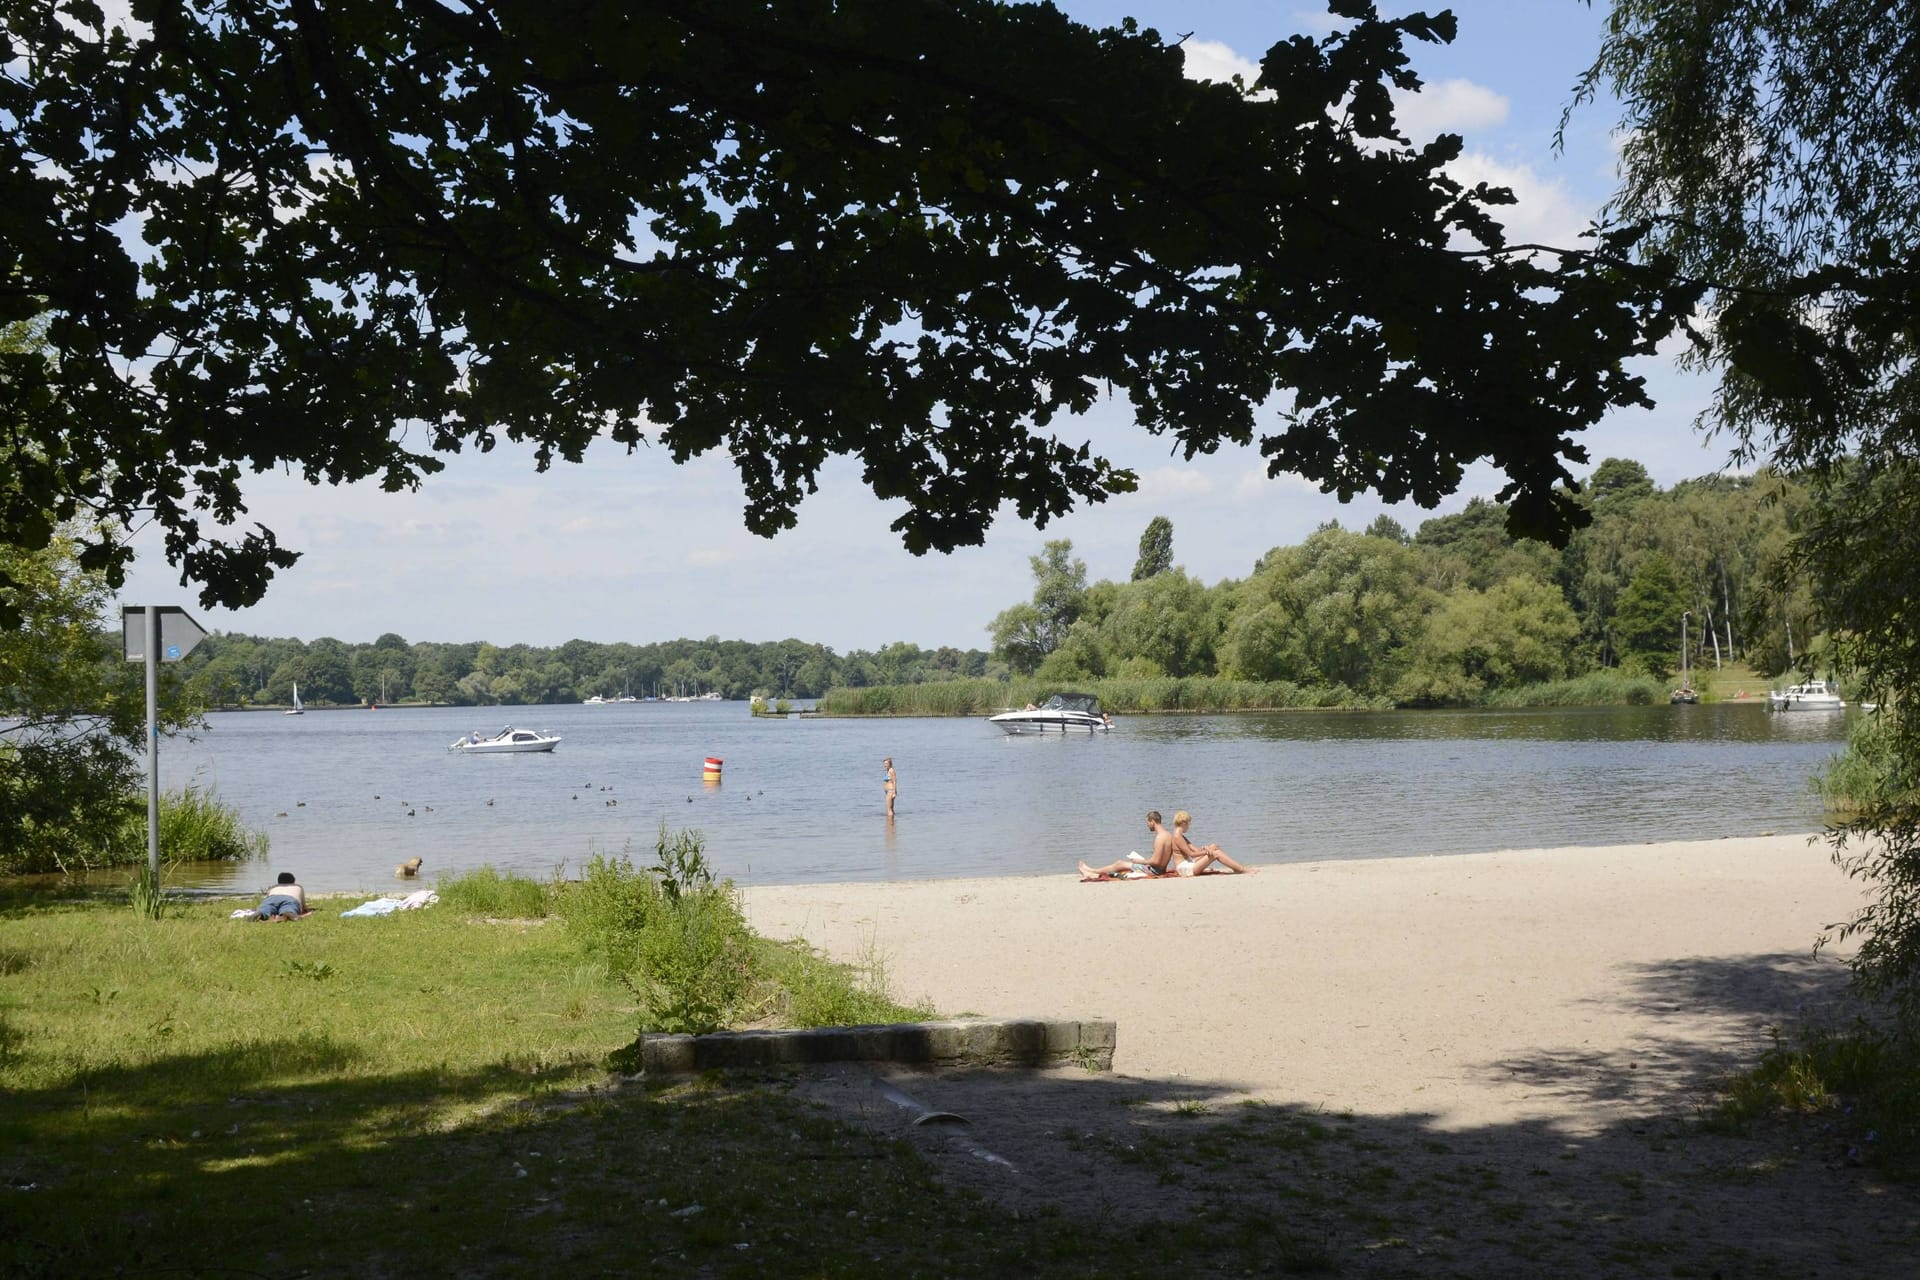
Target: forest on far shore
1448 614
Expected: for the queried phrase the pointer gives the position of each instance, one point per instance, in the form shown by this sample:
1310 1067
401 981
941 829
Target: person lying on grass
285 901
1166 847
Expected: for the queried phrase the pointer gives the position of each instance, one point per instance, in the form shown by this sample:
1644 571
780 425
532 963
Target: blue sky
636 549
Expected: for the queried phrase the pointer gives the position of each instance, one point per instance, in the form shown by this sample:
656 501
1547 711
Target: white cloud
1547 212
1451 106
1184 482
1255 485
1212 60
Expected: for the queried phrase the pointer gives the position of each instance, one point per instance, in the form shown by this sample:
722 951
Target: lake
344 795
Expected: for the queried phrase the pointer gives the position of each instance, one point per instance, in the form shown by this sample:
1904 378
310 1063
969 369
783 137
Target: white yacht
1814 695
1060 713
508 739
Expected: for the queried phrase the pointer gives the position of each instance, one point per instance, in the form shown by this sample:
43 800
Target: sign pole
143 627
153 740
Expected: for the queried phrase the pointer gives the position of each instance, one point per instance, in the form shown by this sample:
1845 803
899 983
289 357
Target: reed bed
1122 697
1595 689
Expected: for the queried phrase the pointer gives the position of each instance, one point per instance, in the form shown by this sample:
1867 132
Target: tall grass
1594 689
196 827
1120 696
486 893
1869 774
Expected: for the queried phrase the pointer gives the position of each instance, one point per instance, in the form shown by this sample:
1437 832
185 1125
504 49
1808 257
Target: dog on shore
408 869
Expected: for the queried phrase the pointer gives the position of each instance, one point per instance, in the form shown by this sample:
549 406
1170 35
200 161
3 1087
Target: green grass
426 1094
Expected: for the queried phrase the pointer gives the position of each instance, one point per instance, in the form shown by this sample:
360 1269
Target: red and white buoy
710 772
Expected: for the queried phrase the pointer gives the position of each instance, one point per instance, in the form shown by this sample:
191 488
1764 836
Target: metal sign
178 632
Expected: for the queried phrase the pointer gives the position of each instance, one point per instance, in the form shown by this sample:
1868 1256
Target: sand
1431 985
1563 1012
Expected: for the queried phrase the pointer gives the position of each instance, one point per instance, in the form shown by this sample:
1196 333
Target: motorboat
296 709
1060 713
508 739
1814 695
596 701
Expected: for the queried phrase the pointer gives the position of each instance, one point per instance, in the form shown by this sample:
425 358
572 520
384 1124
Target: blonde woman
893 787
1203 856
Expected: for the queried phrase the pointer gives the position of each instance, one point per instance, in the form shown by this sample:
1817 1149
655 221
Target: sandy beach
1515 1049
1465 988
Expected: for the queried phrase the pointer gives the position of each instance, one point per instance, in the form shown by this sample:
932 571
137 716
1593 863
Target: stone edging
968 1042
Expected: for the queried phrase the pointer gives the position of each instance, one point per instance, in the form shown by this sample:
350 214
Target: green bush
486 892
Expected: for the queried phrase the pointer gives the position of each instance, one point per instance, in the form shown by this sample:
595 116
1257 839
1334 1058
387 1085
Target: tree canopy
343 240
1770 151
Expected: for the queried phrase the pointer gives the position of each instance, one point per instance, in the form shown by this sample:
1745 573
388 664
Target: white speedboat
508 739
1814 695
1060 713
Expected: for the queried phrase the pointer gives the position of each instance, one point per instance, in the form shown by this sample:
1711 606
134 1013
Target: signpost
154 634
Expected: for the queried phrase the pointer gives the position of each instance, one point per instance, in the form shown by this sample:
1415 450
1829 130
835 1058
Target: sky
636 549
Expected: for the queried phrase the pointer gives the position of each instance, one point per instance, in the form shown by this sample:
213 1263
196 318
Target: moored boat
1813 695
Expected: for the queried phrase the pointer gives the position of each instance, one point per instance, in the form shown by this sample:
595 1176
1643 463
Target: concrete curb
970 1042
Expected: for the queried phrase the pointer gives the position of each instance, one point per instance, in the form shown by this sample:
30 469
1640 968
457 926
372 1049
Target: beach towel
387 906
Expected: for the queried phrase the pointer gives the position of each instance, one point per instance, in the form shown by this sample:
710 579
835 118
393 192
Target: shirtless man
285 901
1166 847
1203 856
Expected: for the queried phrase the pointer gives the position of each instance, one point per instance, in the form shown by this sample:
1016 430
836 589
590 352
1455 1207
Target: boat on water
1059 713
1813 695
597 701
508 740
296 709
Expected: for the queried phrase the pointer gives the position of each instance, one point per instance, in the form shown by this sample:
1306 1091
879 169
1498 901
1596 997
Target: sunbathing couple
1173 854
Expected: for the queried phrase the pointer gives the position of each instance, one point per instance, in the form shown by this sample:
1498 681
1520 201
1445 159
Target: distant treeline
1456 613
233 670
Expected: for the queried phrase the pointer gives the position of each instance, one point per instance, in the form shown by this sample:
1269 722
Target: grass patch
1867 1080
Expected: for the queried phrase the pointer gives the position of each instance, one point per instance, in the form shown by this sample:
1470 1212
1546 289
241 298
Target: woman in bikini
1203 856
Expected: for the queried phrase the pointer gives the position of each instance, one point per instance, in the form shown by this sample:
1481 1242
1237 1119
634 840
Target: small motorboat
1814 695
1683 696
508 739
1060 713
